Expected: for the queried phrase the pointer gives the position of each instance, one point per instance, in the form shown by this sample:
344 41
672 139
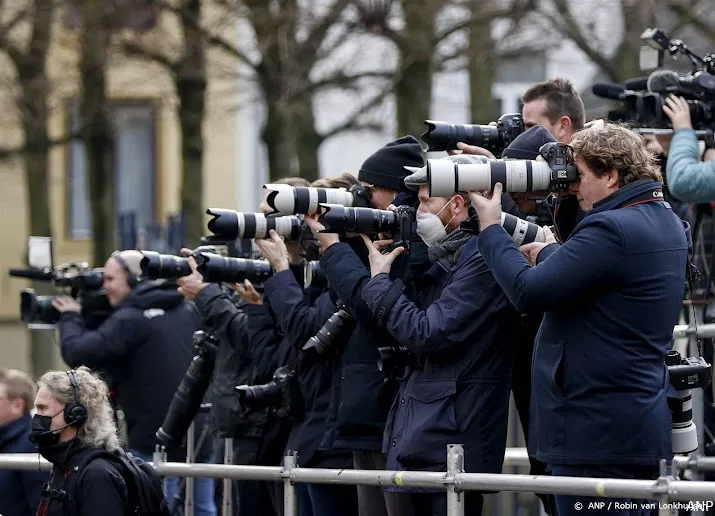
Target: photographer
459 332
689 180
612 294
145 346
361 393
300 314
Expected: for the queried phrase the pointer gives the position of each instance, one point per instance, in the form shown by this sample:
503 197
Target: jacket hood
153 294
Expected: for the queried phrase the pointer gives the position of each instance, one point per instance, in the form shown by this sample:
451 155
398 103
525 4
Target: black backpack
146 497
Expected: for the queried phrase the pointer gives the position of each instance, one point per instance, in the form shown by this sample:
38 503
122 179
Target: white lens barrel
521 231
445 178
304 200
280 198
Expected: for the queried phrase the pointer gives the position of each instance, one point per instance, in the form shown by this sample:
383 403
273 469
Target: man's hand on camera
532 250
247 293
325 240
472 149
488 206
66 304
379 262
274 250
678 111
191 285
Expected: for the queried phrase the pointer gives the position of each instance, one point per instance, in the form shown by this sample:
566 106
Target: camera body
282 394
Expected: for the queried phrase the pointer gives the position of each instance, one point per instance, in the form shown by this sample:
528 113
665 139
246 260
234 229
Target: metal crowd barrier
664 491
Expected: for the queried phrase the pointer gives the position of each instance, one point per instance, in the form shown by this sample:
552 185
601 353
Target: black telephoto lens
37 309
216 269
164 266
341 220
257 397
187 399
340 325
441 136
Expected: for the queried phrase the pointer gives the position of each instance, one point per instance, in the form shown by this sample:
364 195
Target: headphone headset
132 279
75 413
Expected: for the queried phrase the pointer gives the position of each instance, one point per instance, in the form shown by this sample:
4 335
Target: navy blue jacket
19 490
461 331
299 319
361 394
611 294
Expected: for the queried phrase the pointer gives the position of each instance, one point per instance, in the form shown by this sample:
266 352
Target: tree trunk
276 135
34 92
191 90
96 129
413 91
481 69
307 139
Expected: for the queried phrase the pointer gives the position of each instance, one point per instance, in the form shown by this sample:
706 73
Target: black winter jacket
145 346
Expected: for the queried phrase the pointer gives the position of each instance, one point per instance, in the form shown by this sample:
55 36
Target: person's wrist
281 265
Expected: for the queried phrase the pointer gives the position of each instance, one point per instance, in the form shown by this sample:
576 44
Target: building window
134 162
122 14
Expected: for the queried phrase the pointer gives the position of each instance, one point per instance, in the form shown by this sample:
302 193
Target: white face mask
430 227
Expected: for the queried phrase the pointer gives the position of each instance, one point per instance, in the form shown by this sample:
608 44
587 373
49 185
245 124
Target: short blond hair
614 146
19 385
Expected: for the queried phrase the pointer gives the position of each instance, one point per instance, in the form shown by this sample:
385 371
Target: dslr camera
283 393
341 220
685 374
441 136
445 177
74 279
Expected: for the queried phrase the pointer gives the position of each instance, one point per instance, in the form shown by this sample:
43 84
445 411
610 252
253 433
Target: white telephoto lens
281 198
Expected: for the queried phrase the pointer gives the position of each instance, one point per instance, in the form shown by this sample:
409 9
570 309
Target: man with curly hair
611 296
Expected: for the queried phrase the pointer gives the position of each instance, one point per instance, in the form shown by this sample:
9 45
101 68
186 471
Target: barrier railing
666 489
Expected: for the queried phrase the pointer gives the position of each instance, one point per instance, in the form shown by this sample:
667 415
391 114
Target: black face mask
40 434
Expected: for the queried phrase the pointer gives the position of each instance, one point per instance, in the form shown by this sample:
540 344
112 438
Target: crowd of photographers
374 339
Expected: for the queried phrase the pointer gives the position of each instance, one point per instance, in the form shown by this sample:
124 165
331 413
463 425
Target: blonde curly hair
614 146
100 430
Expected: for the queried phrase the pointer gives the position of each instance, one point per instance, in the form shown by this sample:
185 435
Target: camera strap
656 195
388 301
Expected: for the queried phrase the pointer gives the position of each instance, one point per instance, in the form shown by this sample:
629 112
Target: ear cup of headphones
75 414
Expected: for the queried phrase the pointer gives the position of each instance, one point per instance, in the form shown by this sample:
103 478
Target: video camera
685 374
441 136
228 225
642 99
303 200
341 220
74 279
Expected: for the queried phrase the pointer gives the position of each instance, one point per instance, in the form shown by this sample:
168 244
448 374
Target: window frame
154 106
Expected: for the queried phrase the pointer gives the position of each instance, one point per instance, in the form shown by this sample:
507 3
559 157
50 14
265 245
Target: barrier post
455 465
290 493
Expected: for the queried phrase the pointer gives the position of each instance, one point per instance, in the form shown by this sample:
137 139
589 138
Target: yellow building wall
127 79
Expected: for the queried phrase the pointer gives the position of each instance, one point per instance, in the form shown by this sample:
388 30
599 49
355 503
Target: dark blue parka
299 319
19 490
460 331
612 294
361 394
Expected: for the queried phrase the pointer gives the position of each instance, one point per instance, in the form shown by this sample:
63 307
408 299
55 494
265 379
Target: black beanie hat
386 167
528 143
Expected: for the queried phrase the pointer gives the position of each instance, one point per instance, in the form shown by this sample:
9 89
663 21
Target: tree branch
13 51
317 35
689 16
134 49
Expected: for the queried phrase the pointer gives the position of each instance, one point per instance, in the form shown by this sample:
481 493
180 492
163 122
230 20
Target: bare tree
97 130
